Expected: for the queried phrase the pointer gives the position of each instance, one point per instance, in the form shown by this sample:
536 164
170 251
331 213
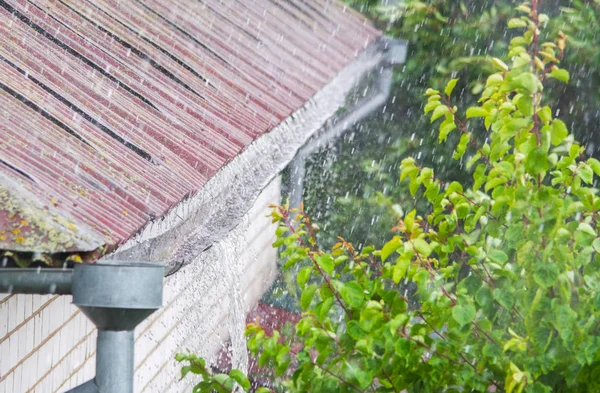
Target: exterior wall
48 346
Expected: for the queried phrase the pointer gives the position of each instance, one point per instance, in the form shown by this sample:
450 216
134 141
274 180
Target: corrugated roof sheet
112 112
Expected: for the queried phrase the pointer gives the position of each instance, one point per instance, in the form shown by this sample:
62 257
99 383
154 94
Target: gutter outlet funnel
116 298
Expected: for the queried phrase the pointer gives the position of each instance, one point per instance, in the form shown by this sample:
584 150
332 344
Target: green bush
506 266
448 39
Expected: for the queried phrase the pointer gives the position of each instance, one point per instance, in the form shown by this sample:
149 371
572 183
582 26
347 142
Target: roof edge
194 224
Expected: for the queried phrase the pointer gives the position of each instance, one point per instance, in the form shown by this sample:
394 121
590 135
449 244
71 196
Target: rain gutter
115 296
394 53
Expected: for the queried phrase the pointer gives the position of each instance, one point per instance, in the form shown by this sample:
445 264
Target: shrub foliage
506 266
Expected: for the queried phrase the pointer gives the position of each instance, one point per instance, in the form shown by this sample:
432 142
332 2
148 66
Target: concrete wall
48 346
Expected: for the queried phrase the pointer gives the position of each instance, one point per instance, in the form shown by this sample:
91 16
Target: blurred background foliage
352 188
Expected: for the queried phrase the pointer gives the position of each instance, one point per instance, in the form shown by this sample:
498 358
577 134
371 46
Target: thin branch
389 380
312 258
338 377
462 126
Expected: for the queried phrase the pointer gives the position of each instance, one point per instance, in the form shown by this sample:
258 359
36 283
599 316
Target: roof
113 112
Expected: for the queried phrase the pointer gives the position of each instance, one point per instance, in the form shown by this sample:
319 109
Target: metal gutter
36 281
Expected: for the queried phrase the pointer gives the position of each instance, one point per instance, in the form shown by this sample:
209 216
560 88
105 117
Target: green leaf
473 160
445 129
431 106
498 256
390 247
263 390
596 244
353 294
462 147
558 132
184 371
587 228
224 381
595 165
586 173
450 86
504 297
470 284
476 111
560 74
402 347
414 185
516 23
399 269
363 378
494 80
527 81
491 351
536 161
439 112
464 314
545 113
422 247
525 105
304 275
546 274
454 187
462 209
354 330
307 296
499 64
240 378
517 124
484 296
325 261
565 316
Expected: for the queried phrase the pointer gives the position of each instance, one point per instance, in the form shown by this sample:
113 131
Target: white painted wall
48 346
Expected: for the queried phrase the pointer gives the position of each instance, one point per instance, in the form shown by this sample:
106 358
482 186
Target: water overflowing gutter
394 53
181 236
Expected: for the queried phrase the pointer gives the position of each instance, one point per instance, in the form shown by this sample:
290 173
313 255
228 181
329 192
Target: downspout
115 296
395 53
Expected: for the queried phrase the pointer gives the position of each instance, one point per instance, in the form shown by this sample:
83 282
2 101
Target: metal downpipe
114 361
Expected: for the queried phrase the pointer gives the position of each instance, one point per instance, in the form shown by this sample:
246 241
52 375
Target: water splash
236 318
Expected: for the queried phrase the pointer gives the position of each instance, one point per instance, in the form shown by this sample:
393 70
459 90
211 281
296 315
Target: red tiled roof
113 111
